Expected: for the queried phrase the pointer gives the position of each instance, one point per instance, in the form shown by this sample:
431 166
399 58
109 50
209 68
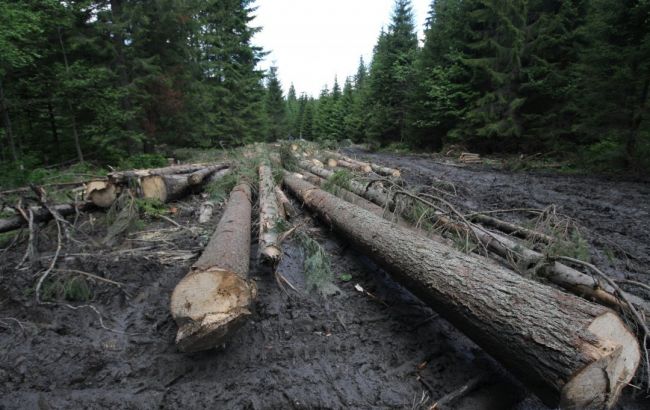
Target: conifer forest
461 223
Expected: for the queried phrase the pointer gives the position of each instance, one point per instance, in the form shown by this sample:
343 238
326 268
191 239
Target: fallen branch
269 246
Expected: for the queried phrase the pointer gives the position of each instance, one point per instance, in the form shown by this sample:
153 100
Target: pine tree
293 108
391 76
275 106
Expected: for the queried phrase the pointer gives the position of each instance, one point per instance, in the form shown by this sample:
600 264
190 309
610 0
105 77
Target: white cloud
311 41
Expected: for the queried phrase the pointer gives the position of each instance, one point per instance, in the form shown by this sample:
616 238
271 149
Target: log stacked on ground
570 352
41 214
286 209
361 165
215 297
269 214
556 272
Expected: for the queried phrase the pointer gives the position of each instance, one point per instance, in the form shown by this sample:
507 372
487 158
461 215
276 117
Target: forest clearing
287 298
332 204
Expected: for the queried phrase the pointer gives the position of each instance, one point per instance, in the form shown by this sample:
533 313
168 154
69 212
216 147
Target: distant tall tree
391 76
293 108
307 123
275 106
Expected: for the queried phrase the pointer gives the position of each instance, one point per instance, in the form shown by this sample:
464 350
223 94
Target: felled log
215 297
269 214
41 214
568 351
387 171
332 163
469 158
284 203
556 272
164 188
197 177
101 193
121 177
316 162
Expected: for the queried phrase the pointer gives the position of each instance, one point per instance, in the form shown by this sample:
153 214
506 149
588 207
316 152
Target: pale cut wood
568 351
332 163
354 166
101 193
214 299
284 203
366 166
164 188
269 246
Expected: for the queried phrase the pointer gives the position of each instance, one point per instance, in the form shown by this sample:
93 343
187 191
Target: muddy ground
301 350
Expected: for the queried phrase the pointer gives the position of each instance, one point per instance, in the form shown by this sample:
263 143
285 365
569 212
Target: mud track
346 350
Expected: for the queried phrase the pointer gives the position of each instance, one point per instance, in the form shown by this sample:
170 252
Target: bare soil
381 348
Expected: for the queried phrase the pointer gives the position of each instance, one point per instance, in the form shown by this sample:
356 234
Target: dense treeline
103 79
550 76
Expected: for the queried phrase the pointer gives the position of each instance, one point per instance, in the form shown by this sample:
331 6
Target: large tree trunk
215 297
41 214
122 177
269 214
570 352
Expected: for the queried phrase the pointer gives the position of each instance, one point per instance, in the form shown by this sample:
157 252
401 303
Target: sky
311 41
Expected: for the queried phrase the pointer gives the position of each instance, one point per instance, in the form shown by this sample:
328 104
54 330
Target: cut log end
617 356
271 254
209 305
101 193
153 187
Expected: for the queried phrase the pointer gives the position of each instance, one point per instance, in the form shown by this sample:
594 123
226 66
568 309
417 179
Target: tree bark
513 229
568 351
215 297
121 177
197 177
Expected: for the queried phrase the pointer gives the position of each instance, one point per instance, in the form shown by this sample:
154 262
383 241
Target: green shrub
143 161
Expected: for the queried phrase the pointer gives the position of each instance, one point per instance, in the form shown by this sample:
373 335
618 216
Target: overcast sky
312 40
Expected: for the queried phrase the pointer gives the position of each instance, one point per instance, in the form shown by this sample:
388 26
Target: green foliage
142 161
219 190
151 207
575 246
340 179
316 266
73 288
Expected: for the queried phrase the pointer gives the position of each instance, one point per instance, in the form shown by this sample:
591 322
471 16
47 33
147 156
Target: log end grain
208 306
101 193
153 187
617 357
332 163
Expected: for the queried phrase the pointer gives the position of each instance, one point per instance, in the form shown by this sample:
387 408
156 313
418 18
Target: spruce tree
275 106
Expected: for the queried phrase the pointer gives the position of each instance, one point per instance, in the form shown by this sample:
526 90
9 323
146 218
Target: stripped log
41 214
568 351
284 203
354 166
214 298
269 246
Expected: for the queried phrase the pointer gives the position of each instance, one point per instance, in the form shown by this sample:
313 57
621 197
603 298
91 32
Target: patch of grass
143 161
71 288
220 189
198 155
316 265
151 207
396 148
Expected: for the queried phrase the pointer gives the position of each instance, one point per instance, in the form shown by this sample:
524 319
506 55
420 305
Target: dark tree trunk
637 119
75 133
55 132
6 121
